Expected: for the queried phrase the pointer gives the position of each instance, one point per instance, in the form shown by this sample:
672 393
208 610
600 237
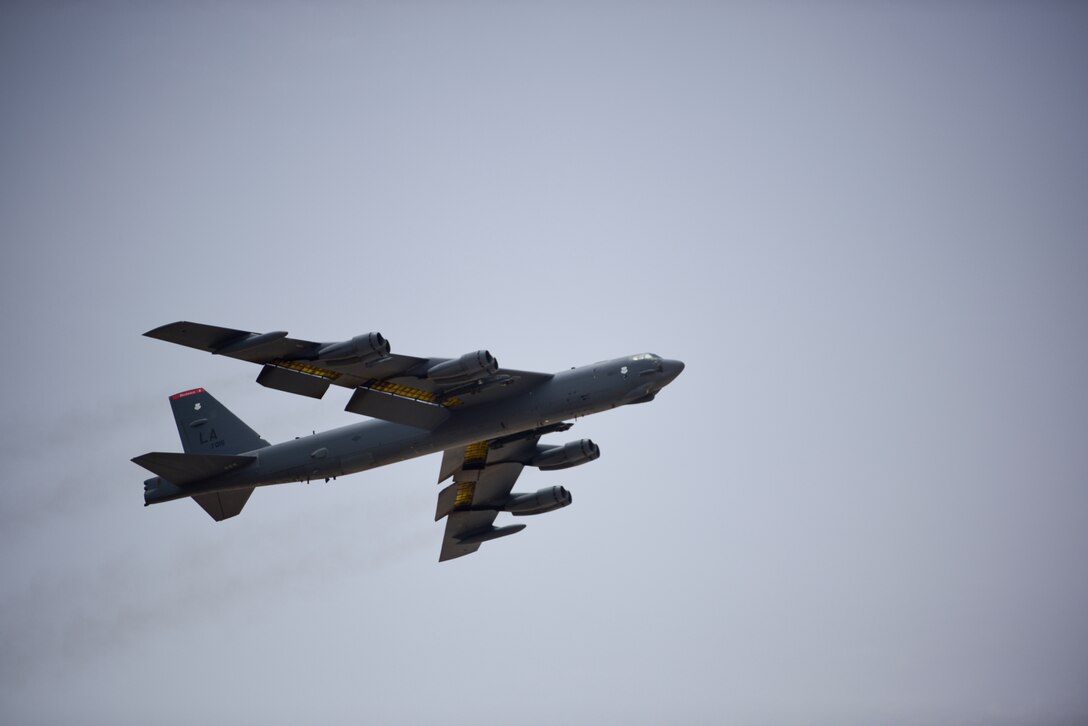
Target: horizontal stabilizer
223 505
188 468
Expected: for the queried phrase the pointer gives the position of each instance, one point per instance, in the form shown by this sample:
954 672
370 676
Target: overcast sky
863 226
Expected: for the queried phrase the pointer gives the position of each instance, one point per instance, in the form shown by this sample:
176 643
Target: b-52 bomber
486 420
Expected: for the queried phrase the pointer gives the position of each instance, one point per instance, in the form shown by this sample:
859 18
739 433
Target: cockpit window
646 356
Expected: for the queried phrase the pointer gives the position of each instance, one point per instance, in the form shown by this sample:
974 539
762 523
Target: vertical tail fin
207 427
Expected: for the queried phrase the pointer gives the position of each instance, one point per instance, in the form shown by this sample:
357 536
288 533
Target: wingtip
153 332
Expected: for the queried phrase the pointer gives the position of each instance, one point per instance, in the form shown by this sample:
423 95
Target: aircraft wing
483 476
388 386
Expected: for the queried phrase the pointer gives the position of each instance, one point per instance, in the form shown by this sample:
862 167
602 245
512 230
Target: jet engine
574 453
545 500
469 367
360 349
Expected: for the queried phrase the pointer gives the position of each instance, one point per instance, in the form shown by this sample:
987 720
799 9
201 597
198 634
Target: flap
451 462
398 409
285 379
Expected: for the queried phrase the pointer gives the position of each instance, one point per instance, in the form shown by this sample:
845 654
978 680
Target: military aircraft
487 420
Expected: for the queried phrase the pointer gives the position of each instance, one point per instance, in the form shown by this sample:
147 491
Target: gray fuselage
370 444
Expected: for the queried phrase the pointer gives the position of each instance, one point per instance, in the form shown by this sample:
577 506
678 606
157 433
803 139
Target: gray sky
862 225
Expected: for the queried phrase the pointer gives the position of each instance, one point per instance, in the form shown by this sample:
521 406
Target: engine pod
468 367
566 456
544 500
361 348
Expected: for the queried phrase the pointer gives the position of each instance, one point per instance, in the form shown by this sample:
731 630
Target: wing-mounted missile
469 367
575 453
366 349
544 500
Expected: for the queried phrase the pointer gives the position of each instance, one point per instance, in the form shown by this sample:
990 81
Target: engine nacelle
565 456
361 348
545 500
469 367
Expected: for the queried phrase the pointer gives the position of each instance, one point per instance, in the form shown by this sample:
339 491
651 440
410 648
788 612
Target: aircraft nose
673 368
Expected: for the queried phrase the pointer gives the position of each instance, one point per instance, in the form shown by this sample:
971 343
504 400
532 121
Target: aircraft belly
358 461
